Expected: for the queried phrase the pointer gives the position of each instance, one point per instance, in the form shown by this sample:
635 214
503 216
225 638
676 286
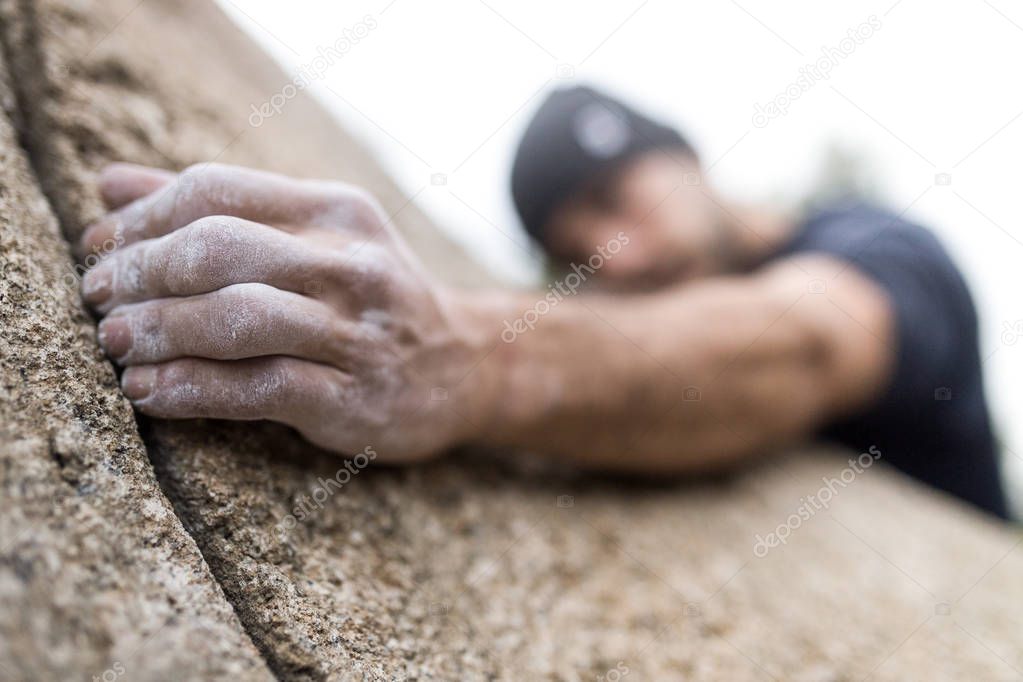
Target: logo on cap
600 130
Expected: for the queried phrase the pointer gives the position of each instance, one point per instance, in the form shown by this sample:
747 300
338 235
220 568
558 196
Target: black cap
577 135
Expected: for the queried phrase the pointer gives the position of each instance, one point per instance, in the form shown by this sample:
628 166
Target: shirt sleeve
935 321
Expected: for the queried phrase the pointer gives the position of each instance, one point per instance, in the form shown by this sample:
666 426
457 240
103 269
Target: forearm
684 380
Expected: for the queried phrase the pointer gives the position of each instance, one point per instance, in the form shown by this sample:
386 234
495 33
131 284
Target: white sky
446 87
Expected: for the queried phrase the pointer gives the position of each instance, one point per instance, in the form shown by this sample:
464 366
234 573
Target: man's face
658 202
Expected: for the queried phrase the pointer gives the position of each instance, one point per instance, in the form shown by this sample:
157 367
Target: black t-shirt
932 420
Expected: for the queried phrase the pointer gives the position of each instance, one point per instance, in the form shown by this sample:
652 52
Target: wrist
481 386
517 377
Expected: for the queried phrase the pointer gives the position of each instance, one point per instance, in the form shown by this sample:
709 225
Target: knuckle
330 387
355 207
198 232
377 275
195 248
149 323
247 305
366 267
209 236
195 253
178 385
277 384
214 225
133 270
191 177
236 320
198 187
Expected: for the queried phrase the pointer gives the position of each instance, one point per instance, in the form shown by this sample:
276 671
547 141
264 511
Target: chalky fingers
209 254
236 322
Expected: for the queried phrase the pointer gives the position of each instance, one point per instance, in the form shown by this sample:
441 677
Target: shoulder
897 253
855 227
935 319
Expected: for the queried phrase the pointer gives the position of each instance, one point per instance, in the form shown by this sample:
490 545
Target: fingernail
97 285
137 382
97 238
115 336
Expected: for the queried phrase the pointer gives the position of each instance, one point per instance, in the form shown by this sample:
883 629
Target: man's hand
237 294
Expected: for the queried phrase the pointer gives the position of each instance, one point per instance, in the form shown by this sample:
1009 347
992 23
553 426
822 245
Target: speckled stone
97 573
480 566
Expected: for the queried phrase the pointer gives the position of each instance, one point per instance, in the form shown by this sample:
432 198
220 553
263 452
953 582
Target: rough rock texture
96 571
476 567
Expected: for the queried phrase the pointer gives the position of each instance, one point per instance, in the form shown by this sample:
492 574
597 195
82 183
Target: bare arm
236 294
689 378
